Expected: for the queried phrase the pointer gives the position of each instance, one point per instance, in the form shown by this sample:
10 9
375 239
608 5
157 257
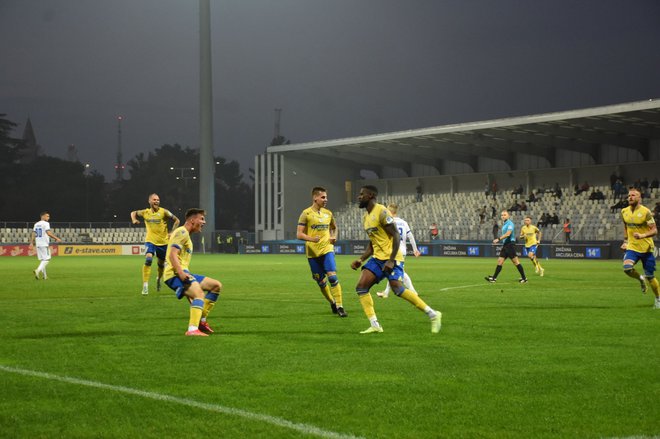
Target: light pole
86 176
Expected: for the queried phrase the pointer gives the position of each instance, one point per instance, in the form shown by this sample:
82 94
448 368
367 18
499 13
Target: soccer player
155 221
40 237
406 235
640 228
508 239
317 227
202 292
529 231
385 261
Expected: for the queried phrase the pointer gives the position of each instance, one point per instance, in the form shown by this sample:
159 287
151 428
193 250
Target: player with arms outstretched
317 227
201 291
155 221
529 231
639 228
406 235
385 261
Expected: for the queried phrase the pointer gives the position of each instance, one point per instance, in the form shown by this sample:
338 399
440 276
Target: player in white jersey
405 234
40 237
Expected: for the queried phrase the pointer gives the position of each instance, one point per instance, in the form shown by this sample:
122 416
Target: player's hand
637 235
135 221
333 240
356 264
624 246
388 266
315 239
416 253
495 241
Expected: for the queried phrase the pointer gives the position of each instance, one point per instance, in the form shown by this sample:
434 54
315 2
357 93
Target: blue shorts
376 267
530 249
158 250
322 265
648 261
178 286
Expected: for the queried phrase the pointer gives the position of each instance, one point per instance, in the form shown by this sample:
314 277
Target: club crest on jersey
389 220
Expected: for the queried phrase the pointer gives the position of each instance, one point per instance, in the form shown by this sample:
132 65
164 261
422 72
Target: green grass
574 354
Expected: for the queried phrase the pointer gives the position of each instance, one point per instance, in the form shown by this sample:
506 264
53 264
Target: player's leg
146 268
385 293
630 258
196 295
370 274
407 282
649 272
330 268
212 288
537 263
161 252
395 281
44 256
532 258
318 274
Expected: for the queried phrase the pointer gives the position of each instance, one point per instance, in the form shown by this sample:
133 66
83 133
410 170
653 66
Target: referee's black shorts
508 251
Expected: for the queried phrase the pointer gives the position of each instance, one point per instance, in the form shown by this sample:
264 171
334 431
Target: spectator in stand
557 191
619 205
567 230
584 188
493 211
482 215
434 231
523 206
515 207
487 189
532 198
656 212
420 192
554 219
613 179
494 190
596 194
644 184
496 230
617 188
543 221
517 190
655 183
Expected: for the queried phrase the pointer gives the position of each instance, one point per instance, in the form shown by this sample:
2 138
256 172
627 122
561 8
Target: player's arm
176 265
52 235
367 253
334 231
503 237
539 235
653 230
302 226
411 239
391 230
176 221
134 216
33 236
624 245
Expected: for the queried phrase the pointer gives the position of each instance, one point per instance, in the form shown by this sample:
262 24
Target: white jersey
41 237
405 234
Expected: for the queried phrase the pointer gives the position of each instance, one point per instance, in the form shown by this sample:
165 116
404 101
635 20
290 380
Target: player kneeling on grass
640 228
387 262
202 292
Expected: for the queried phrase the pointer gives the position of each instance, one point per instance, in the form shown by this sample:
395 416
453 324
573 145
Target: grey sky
337 68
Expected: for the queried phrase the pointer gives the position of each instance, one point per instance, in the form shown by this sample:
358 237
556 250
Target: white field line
463 286
273 420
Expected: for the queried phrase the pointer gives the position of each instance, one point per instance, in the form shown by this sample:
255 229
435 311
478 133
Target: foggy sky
337 68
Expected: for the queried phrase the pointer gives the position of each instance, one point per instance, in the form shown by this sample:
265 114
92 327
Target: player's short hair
393 207
194 211
317 190
528 217
151 195
636 189
45 212
371 188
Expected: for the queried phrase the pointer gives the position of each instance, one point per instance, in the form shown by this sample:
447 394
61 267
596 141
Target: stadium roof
630 125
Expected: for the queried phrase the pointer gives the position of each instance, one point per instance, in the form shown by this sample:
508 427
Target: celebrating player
155 221
317 227
40 236
529 231
639 227
201 291
385 261
508 239
405 235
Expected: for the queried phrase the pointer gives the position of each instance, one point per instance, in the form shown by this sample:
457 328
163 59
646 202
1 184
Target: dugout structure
566 147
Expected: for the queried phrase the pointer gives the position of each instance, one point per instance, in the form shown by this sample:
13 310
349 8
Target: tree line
71 193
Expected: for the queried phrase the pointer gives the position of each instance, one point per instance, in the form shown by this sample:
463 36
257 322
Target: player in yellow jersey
640 228
385 261
155 221
202 291
317 227
529 231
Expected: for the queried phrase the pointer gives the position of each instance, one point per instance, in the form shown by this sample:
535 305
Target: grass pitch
572 354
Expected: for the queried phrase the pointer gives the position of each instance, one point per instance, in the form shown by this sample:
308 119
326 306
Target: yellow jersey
156 224
181 240
529 232
639 221
317 224
374 224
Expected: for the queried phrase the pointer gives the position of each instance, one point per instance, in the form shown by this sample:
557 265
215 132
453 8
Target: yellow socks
195 313
367 305
325 290
336 294
146 273
414 299
655 286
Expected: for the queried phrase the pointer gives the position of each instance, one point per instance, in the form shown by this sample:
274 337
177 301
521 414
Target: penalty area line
273 420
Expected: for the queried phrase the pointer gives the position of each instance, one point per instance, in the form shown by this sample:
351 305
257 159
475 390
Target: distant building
29 148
